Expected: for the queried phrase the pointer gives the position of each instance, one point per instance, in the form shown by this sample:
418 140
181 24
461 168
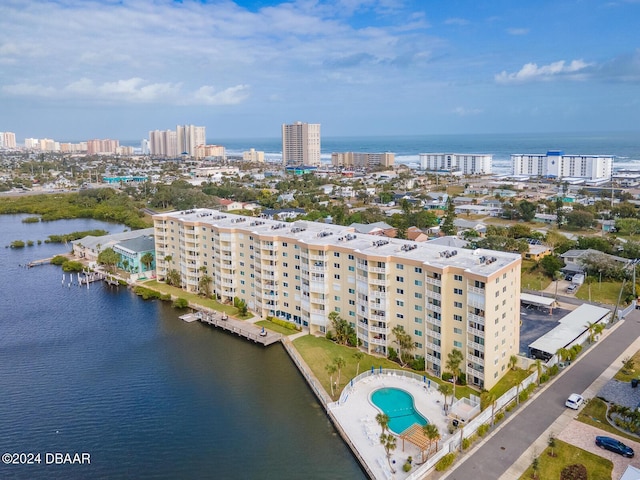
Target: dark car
615 446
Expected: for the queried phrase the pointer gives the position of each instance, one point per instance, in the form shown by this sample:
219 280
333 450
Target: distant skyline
82 69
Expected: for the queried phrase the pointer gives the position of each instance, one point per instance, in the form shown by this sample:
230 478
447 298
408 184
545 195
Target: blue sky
80 69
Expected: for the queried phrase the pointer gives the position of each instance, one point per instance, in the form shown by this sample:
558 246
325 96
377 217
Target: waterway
103 372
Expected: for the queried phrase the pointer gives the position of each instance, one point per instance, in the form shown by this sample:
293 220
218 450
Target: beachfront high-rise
183 141
301 144
362 160
466 163
558 165
189 138
444 298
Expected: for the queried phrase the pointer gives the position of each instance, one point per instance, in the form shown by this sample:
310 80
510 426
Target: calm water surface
101 371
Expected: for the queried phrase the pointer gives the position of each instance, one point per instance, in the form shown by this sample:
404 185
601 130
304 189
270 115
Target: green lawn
195 299
275 327
605 292
319 352
550 467
624 376
533 280
594 413
511 379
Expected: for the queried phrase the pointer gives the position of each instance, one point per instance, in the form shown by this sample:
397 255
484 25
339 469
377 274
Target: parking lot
536 321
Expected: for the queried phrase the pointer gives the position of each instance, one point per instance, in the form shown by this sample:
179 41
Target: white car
574 401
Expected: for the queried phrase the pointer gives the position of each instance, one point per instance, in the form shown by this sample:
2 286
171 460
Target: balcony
434 334
433 308
475 331
378 341
383 330
378 294
476 290
433 320
475 372
432 359
472 317
433 281
475 346
474 359
433 346
432 294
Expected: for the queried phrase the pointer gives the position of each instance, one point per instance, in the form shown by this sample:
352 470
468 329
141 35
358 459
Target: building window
418 307
400 279
458 331
400 303
457 278
352 291
418 283
417 319
351 268
350 257
418 333
457 291
457 304
457 344
399 266
418 270
417 295
399 291
336 254
336 276
457 318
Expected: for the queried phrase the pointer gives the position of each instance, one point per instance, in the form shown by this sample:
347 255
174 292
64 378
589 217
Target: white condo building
7 140
189 138
301 144
444 298
558 165
466 163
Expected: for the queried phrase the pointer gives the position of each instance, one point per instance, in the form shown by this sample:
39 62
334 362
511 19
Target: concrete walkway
567 420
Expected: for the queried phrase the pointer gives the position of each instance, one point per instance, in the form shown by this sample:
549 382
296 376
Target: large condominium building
163 143
466 163
362 160
7 140
558 165
301 144
102 147
444 298
189 138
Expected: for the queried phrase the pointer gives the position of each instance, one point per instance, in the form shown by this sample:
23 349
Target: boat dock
36 263
239 327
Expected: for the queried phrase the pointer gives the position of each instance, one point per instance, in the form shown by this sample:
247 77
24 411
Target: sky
79 69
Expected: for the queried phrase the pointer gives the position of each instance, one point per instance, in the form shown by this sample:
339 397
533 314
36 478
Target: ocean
625 146
99 371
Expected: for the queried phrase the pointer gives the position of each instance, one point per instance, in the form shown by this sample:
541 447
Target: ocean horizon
624 146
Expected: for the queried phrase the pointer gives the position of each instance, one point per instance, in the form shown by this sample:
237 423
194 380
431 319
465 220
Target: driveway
584 436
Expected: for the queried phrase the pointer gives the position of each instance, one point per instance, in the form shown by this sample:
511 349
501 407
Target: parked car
574 401
614 445
572 288
568 278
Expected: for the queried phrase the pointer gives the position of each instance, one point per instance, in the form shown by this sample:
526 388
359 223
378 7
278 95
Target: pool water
399 407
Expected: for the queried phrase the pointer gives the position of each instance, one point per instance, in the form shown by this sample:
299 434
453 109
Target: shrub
406 467
524 395
58 260
17 244
31 220
146 293
446 376
544 378
499 416
72 266
466 443
445 462
418 364
482 430
165 297
285 324
29 243
181 303
393 355
510 407
553 370
574 472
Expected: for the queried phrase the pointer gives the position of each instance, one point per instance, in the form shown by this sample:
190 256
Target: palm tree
454 359
538 366
432 434
513 361
445 389
339 363
205 281
388 441
147 260
383 421
358 356
557 276
331 369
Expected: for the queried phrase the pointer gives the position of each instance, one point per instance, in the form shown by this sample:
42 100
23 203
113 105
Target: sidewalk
520 466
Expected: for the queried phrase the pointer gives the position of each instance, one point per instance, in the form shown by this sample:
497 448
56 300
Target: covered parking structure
527 299
571 330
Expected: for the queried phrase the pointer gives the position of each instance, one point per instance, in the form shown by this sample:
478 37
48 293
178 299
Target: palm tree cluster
344 333
625 417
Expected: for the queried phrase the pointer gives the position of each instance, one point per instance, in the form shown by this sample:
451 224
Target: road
499 452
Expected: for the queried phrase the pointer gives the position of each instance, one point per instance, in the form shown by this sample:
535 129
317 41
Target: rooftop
317 235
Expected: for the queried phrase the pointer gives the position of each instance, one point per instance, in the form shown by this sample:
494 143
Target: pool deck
356 417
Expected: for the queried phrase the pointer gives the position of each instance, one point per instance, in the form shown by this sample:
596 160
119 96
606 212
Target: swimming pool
399 407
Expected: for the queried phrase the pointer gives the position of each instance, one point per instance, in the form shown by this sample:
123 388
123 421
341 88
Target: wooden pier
240 328
36 263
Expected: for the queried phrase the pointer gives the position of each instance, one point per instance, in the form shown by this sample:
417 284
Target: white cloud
517 31
465 112
207 95
531 72
456 21
27 89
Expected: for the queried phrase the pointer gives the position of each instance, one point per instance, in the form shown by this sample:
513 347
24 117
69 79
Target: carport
538 301
572 329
